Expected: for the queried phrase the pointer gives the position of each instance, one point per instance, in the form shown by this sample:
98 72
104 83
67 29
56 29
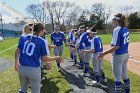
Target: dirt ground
134 57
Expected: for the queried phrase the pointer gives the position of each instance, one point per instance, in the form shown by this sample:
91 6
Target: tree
72 15
82 20
134 21
49 7
57 11
60 10
102 12
95 20
37 11
127 9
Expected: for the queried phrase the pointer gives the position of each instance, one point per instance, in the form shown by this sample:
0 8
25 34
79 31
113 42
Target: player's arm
49 58
115 45
17 52
52 46
81 40
51 39
65 41
89 51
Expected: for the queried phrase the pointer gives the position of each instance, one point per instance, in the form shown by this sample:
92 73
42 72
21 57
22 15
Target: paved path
80 84
5 64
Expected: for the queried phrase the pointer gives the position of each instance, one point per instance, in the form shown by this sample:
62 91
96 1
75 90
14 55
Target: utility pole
1 25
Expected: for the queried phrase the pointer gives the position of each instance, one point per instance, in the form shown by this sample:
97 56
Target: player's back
31 49
123 40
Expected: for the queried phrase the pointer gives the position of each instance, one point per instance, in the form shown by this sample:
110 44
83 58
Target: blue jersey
81 45
58 39
32 51
121 39
84 39
96 44
71 37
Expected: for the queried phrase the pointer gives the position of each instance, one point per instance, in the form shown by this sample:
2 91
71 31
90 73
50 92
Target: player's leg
60 49
81 58
96 67
24 80
87 57
102 71
42 72
117 72
125 74
71 55
74 57
35 79
56 53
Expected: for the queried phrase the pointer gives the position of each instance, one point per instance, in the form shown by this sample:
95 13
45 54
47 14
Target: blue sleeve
70 38
44 48
51 37
118 40
82 39
64 38
20 42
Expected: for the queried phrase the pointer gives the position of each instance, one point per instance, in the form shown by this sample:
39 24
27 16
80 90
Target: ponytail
122 19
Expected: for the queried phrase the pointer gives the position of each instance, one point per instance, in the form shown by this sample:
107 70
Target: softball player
96 49
81 47
72 42
57 38
119 50
84 39
32 48
68 31
27 29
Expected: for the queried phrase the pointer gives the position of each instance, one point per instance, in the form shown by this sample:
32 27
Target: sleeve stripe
115 36
47 48
92 43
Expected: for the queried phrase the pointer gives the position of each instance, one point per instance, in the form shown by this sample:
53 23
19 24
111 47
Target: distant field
55 82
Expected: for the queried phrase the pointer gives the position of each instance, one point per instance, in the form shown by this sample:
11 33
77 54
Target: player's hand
70 43
66 45
60 59
47 65
55 46
82 51
74 49
100 56
17 66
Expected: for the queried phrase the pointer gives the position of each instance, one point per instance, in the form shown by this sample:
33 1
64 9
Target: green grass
55 82
7 44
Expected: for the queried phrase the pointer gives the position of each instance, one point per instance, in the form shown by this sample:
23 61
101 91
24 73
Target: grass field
55 82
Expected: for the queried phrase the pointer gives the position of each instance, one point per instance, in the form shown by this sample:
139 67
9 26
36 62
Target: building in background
11 21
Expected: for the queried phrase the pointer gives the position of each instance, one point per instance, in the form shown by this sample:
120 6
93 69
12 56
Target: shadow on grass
49 86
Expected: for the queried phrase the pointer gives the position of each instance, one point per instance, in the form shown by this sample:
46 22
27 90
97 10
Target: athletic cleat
105 80
74 64
96 83
85 74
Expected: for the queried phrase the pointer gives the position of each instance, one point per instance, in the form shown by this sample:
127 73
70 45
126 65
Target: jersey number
28 46
126 37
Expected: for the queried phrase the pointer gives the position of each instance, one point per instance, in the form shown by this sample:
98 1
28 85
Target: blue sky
20 5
